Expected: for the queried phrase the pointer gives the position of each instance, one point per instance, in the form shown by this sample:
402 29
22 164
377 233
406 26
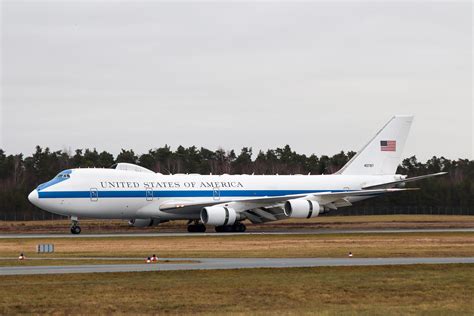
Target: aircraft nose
33 197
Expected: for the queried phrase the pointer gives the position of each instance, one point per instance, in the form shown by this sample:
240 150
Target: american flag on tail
388 145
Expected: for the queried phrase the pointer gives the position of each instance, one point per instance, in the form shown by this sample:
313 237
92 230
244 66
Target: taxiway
229 263
298 232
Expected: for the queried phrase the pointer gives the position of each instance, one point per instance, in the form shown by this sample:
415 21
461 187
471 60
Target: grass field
382 290
322 222
387 290
459 244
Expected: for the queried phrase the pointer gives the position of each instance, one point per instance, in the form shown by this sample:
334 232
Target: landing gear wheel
76 230
236 228
241 228
197 228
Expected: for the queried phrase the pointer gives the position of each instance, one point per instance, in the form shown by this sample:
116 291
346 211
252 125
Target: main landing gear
236 228
196 227
75 228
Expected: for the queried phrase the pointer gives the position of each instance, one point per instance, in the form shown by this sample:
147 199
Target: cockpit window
62 176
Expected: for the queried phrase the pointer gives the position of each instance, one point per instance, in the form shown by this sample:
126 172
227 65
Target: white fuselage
122 194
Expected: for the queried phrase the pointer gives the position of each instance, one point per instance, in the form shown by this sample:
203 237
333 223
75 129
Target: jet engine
138 222
218 215
300 208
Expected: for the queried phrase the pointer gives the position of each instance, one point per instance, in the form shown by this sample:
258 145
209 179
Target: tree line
20 174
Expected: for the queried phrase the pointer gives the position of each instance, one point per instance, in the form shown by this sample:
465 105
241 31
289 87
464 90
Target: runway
293 232
229 263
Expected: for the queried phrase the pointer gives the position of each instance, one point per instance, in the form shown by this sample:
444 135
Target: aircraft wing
264 209
190 207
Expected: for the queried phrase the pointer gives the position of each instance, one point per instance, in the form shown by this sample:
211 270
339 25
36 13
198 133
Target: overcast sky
319 76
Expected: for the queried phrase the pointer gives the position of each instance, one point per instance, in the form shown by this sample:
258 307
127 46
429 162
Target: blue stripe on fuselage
176 194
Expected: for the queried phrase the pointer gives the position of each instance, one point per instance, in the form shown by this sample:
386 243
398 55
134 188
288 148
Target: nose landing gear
75 228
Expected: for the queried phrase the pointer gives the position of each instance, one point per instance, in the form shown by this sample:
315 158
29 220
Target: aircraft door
149 194
94 194
216 193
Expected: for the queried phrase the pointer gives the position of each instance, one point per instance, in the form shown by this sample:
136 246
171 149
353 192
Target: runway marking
302 232
230 263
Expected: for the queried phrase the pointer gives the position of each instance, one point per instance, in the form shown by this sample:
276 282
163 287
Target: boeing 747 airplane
146 198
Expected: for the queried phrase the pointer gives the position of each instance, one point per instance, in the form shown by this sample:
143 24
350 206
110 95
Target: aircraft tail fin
382 155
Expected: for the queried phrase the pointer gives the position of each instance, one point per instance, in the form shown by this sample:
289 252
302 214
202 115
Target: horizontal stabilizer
391 184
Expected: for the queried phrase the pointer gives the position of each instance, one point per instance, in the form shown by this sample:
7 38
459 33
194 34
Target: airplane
145 198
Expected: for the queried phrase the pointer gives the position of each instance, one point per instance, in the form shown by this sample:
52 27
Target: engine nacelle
300 208
218 215
138 222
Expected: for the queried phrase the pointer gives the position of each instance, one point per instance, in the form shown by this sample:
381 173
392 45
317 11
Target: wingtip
402 189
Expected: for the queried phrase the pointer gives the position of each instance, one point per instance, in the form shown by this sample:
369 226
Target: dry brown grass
332 245
383 290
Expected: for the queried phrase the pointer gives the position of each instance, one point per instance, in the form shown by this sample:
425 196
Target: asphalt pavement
228 263
287 232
